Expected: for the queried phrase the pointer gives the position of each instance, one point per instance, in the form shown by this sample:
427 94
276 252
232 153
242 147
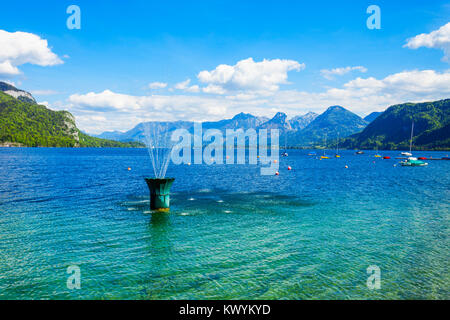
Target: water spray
159 146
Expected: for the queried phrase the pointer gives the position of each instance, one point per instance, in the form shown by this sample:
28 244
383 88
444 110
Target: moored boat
413 162
407 154
337 155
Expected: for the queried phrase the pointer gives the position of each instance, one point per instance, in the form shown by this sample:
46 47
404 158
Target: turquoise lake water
310 233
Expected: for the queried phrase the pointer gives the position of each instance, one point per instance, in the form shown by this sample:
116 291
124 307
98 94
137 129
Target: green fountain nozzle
159 193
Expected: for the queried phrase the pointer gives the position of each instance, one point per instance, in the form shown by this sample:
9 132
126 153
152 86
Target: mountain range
335 122
309 129
392 129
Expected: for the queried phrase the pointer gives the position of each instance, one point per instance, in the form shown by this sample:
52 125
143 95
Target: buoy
346 167
189 164
275 161
129 168
277 173
289 168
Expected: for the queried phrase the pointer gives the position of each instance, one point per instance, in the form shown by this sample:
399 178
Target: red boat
386 157
422 158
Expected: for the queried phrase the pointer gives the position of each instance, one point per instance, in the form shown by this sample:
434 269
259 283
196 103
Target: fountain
159 146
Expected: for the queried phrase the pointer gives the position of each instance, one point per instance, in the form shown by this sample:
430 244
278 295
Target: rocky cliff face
72 129
16 93
301 122
279 121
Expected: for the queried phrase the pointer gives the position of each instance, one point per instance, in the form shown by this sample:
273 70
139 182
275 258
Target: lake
309 233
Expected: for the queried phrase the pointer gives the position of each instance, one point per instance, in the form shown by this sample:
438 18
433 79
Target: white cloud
329 74
44 103
414 82
7 69
157 85
11 82
43 92
370 94
123 111
106 100
214 89
184 85
438 39
194 88
18 48
248 75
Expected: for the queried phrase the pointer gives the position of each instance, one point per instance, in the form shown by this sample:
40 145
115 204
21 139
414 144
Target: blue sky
102 72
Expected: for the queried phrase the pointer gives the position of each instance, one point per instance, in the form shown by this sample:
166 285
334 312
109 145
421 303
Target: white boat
413 162
409 154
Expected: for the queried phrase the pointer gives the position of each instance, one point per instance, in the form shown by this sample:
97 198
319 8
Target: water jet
159 146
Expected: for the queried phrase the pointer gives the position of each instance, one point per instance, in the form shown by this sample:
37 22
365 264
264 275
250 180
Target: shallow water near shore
310 233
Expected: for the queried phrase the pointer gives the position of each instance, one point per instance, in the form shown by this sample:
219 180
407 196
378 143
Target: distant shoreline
16 145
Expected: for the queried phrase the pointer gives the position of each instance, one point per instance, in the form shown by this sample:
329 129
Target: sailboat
324 156
376 154
409 154
412 161
285 154
337 147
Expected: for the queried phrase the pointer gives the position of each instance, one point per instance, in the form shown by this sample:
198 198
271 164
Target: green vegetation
391 130
33 125
88 141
